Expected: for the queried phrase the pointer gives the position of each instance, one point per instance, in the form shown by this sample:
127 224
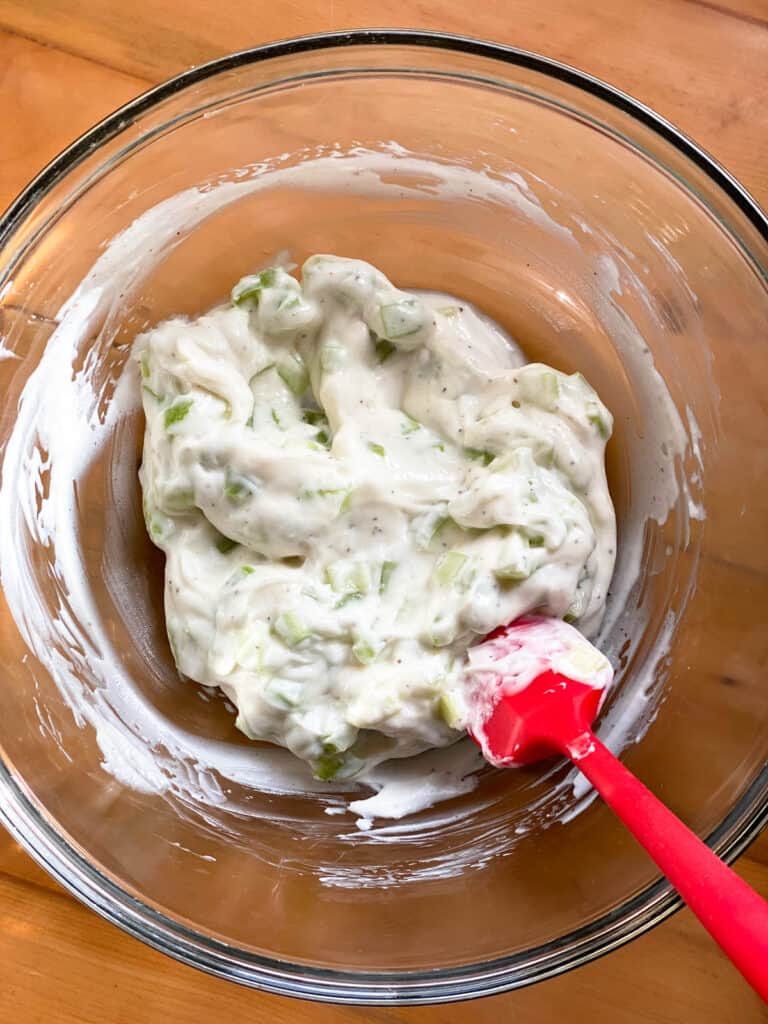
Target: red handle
734 915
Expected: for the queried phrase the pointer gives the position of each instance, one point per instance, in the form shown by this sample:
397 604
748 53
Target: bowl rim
31 828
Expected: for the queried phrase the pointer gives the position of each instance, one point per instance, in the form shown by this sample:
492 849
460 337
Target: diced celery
403 318
439 445
450 711
276 419
181 500
384 349
364 651
478 455
360 577
237 488
144 364
247 570
449 310
539 385
332 356
290 629
248 289
225 544
427 528
346 578
176 413
345 599
314 417
387 568
449 566
328 766
285 693
536 541
377 449
336 577
600 424
153 394
512 572
263 370
346 505
294 373
410 424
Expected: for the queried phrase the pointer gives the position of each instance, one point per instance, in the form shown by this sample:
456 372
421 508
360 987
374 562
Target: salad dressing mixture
352 485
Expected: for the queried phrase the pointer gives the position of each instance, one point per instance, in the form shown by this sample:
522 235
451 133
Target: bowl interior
599 248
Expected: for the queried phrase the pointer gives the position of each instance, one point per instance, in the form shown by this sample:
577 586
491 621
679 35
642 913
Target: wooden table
66 63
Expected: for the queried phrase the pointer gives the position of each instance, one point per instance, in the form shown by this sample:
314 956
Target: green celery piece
449 711
289 628
410 424
478 455
570 618
351 582
449 310
384 349
449 566
401 319
539 385
247 570
434 524
323 437
249 289
336 578
314 417
287 692
263 370
332 356
599 423
144 365
154 394
377 449
180 501
177 412
276 419
225 544
387 568
364 651
237 488
328 766
511 572
537 541
294 374
346 505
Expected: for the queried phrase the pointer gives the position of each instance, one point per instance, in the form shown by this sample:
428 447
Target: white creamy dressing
352 484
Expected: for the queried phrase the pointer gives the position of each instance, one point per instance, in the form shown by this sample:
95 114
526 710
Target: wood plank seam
709 5
10 30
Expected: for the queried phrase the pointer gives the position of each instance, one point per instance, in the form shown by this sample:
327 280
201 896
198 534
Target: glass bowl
603 241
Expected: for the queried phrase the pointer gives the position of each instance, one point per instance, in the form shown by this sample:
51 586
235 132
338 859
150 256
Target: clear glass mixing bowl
603 241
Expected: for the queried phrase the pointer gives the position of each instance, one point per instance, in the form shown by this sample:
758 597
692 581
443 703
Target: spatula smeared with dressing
534 689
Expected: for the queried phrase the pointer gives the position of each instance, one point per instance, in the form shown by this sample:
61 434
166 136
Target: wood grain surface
66 63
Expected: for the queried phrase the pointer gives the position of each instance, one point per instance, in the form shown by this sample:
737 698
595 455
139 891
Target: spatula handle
734 915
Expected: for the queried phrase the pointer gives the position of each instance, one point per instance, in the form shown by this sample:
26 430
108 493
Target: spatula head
535 688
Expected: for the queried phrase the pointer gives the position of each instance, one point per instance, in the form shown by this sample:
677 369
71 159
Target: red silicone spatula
535 689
